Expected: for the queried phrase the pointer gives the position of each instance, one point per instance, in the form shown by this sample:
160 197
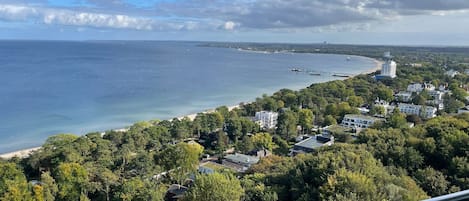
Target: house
358 121
260 153
423 111
451 73
210 167
418 87
312 143
239 162
266 119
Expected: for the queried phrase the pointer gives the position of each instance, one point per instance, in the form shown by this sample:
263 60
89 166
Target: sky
388 22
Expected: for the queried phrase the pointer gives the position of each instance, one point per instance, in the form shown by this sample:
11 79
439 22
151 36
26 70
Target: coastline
23 153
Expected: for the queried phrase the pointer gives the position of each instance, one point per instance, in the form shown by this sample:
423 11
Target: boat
349 58
296 70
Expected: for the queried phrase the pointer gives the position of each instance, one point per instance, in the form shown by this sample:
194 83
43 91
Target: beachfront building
312 143
389 66
422 111
358 121
266 119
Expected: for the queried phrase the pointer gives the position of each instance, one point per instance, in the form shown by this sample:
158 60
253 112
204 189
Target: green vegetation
390 161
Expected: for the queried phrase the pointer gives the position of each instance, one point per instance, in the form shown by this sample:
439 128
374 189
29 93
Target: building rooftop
313 142
359 116
241 158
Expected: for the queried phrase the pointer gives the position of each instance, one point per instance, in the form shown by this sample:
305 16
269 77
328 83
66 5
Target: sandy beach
26 152
20 154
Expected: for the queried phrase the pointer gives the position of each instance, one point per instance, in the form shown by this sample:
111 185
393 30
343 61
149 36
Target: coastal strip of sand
379 65
20 154
26 152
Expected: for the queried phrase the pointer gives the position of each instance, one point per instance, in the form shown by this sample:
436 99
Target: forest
390 161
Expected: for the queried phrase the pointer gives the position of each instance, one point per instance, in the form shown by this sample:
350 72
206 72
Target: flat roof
241 158
359 116
311 143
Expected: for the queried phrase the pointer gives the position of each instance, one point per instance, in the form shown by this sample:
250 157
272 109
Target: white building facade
418 87
358 121
389 66
389 69
266 119
422 111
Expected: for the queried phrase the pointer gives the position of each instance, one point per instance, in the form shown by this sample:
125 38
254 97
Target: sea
52 87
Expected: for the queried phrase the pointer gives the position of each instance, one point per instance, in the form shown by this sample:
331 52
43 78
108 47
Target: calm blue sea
49 87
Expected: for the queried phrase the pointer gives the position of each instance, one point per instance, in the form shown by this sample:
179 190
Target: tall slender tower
389 66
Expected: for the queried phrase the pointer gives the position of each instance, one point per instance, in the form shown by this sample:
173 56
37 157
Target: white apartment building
423 111
266 119
358 121
436 95
388 69
418 87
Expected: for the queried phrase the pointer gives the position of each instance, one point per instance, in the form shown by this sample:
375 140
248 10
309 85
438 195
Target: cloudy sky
411 22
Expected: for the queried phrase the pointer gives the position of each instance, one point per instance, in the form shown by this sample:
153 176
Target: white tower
389 66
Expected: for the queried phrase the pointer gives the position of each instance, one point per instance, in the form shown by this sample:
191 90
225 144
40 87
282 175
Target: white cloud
96 20
229 25
74 18
13 12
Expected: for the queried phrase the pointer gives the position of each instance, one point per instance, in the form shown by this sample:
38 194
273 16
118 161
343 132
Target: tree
215 121
329 120
136 189
384 93
397 120
378 110
245 145
181 158
13 184
345 182
355 101
432 181
282 147
49 187
216 186
286 124
72 180
255 190
262 140
305 120
419 100
234 128
107 179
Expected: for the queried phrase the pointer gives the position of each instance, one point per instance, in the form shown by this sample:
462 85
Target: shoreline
23 153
